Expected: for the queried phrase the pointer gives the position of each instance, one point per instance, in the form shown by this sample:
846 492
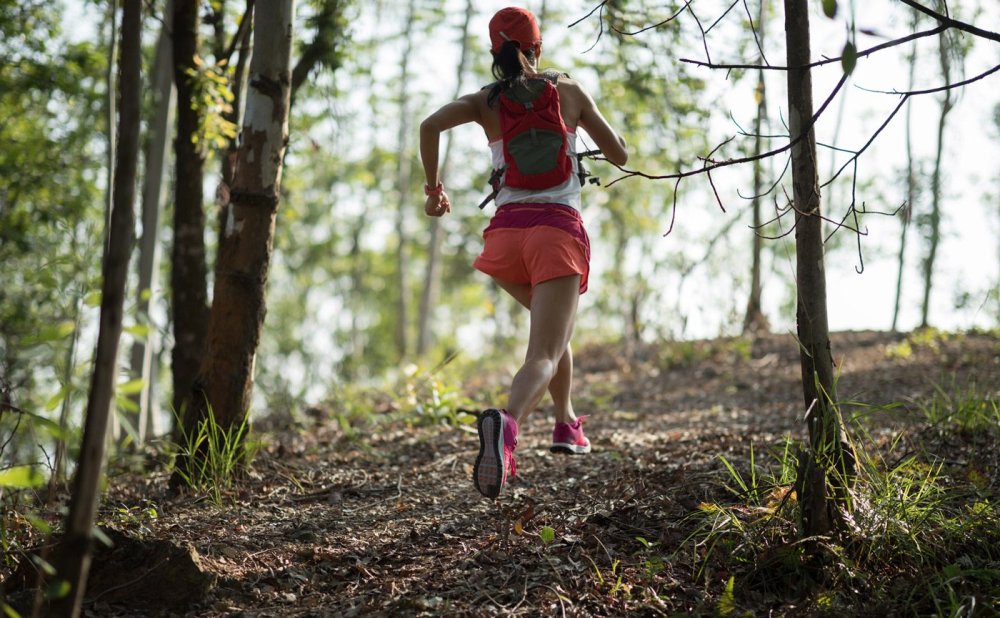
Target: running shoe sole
572 449
487 474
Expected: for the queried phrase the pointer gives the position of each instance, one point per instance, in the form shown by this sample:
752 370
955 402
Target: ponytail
509 67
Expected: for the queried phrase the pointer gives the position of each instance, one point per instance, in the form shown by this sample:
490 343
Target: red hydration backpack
535 139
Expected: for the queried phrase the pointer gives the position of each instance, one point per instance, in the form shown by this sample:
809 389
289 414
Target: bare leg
553 311
560 388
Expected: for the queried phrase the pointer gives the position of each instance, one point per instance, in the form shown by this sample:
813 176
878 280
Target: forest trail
345 523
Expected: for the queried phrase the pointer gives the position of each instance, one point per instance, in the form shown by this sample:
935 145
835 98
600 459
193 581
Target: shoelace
509 456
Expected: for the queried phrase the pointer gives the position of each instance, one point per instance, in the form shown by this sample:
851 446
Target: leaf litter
384 520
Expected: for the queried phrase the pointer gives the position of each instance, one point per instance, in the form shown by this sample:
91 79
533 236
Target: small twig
562 606
952 23
728 162
908 93
753 29
818 63
599 6
653 26
524 596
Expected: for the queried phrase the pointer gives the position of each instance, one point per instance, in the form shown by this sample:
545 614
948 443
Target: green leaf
727 604
55 400
849 59
39 524
21 477
139 331
9 611
51 427
93 299
102 538
50 333
131 387
830 8
44 565
57 589
547 534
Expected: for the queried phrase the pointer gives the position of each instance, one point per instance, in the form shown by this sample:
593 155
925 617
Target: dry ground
384 520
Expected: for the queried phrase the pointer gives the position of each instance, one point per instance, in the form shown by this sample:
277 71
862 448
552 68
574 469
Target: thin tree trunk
934 220
235 115
755 320
73 562
356 295
237 318
157 148
59 459
113 428
432 277
111 118
403 188
911 184
824 462
188 277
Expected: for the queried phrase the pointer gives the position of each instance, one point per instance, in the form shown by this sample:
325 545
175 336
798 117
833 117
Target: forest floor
380 517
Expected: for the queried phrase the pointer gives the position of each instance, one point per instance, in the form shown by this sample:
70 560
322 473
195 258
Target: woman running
536 247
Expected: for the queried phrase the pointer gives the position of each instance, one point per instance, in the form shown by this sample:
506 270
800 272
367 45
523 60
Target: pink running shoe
569 438
497 440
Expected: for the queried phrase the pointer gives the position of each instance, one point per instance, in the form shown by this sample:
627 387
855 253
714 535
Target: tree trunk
73 561
234 115
906 213
356 301
934 219
188 277
112 93
403 188
824 463
432 277
237 317
755 320
149 246
109 79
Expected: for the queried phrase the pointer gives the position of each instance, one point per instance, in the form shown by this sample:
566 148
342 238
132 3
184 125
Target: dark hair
508 68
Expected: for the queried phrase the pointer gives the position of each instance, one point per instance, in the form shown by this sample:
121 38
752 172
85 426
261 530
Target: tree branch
325 45
826 61
907 93
716 165
952 23
653 26
242 31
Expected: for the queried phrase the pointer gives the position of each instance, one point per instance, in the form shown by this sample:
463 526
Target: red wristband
438 190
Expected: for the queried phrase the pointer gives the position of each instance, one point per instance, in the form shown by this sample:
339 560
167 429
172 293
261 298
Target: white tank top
568 193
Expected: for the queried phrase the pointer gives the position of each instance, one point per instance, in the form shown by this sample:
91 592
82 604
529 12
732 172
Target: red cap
514 24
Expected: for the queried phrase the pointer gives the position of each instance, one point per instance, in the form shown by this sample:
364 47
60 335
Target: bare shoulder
573 100
570 86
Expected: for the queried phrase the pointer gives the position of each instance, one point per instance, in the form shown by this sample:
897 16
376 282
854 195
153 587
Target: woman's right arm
457 112
612 145
461 111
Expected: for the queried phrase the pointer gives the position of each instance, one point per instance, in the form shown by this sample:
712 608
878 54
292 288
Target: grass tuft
923 537
216 456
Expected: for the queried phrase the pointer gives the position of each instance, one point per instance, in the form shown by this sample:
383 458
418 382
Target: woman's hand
437 205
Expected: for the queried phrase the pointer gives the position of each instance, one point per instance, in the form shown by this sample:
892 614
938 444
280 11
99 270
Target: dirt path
389 523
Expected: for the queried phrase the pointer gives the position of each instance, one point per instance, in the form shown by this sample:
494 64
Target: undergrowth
923 538
211 459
